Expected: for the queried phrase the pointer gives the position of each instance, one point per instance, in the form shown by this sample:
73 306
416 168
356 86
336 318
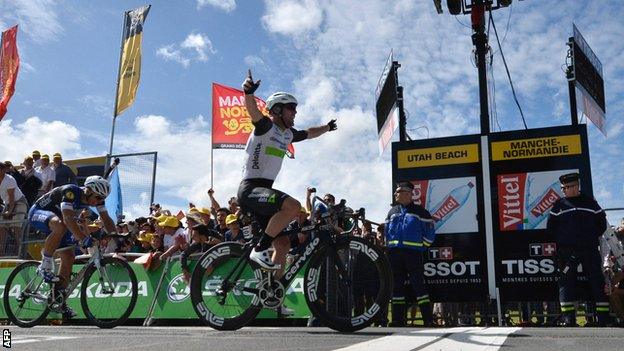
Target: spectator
174 238
157 244
36 155
577 221
233 204
221 227
144 240
298 241
194 218
46 174
10 170
204 214
409 231
234 233
201 235
15 209
30 183
62 173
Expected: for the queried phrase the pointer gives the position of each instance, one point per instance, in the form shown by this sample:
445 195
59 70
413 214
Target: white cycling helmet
280 98
98 185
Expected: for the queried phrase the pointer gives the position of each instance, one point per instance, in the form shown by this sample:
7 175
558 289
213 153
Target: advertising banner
447 182
525 171
173 301
231 123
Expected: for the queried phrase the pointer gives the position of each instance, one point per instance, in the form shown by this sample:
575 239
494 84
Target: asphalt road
284 338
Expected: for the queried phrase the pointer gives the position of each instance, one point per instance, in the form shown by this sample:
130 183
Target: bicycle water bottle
453 201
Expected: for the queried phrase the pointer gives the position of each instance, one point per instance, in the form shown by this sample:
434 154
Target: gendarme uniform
577 224
409 232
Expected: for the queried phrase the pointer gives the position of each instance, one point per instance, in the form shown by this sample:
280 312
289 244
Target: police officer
409 231
577 222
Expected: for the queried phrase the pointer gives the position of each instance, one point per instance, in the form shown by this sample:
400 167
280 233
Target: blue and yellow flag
130 60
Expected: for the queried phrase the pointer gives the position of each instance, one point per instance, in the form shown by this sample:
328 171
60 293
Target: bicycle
228 290
108 291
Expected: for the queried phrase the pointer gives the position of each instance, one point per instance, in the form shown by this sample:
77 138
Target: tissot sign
524 167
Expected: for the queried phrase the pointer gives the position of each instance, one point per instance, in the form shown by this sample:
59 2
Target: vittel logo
545 203
449 205
511 201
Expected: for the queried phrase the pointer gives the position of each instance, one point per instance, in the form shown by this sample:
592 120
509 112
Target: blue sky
328 53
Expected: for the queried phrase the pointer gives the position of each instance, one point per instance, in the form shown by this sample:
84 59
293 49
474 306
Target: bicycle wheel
108 295
225 305
26 296
351 303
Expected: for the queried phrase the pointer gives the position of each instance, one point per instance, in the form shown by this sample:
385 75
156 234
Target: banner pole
489 231
211 167
123 29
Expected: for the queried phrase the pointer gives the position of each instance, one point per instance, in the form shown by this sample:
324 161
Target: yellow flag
130 61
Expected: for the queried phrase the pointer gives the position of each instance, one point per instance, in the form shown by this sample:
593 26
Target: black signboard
446 173
525 167
588 69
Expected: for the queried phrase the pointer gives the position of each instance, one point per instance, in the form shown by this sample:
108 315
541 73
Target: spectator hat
57 155
28 158
8 163
569 178
170 222
145 237
36 153
161 218
202 210
45 157
231 218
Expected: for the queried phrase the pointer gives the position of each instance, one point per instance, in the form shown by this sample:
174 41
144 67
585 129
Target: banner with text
525 171
446 174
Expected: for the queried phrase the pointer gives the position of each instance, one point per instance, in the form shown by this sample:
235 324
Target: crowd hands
164 234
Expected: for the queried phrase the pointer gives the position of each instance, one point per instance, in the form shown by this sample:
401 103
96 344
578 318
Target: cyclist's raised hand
249 86
332 125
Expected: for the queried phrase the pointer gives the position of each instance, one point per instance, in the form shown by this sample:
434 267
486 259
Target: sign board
589 83
386 93
525 183
446 174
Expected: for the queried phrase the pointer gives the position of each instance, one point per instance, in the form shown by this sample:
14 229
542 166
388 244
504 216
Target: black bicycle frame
323 237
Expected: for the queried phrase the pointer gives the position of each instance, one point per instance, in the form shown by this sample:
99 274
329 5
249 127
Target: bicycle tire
36 311
341 306
103 309
239 307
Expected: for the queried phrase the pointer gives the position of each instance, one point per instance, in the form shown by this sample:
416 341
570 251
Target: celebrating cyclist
265 149
54 214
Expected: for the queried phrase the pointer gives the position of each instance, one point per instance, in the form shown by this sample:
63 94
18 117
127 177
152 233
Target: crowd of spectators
26 182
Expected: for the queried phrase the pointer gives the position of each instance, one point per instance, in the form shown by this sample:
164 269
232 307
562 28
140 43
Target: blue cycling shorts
40 219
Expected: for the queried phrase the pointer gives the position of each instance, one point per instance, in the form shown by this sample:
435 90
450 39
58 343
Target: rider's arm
314 132
71 224
250 100
109 225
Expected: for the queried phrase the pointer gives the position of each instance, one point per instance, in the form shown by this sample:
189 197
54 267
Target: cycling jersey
66 197
266 148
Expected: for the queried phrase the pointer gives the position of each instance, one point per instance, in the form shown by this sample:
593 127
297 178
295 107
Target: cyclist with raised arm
54 214
265 149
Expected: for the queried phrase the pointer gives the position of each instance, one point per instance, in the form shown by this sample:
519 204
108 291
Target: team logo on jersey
69 195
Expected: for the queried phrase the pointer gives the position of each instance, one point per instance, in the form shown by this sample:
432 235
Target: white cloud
225 5
253 61
37 19
36 134
292 17
198 43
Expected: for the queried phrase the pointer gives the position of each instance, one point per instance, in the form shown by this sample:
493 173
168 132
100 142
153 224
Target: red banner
9 65
231 123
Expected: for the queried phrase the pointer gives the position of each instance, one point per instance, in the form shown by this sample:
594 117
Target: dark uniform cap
568 178
408 185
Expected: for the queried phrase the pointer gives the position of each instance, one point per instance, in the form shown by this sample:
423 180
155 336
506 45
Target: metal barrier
11 237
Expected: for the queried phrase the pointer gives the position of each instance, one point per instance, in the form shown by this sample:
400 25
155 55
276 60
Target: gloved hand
332 125
249 87
87 242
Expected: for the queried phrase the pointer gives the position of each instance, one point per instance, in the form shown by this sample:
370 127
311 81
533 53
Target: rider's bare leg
281 246
67 261
53 240
279 221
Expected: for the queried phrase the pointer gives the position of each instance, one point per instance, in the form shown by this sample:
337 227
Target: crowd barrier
162 293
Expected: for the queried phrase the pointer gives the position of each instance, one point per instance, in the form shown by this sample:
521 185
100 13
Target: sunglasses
98 197
564 187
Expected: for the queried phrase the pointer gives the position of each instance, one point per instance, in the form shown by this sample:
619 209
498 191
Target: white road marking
465 339
40 338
